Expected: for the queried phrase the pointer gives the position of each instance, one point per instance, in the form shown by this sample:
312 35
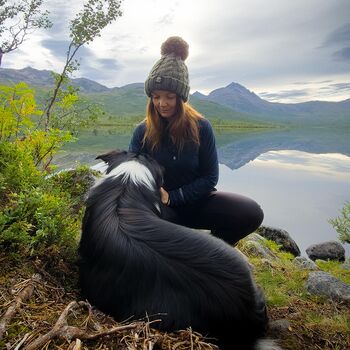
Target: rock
256 249
305 263
324 284
345 266
281 237
278 327
331 250
254 237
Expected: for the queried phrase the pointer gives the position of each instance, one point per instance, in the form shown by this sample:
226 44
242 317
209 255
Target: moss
334 268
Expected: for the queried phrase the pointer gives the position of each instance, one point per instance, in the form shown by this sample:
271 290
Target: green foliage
36 214
41 214
342 223
17 126
96 15
37 219
70 112
75 182
17 108
17 170
18 19
86 26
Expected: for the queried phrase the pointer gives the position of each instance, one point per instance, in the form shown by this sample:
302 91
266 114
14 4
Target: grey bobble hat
170 72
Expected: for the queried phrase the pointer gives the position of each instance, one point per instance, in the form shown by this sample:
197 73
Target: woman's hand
164 196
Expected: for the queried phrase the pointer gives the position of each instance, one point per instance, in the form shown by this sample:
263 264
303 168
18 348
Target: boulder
331 250
281 237
305 263
256 249
321 283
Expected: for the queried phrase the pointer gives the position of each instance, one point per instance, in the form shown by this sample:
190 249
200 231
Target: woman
182 141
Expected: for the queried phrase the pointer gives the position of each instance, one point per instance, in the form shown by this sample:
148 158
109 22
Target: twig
62 330
22 341
23 295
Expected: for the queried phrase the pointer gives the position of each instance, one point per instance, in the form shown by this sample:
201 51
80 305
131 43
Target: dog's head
140 169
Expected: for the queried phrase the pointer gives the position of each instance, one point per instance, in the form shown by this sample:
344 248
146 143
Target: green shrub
17 169
342 223
36 220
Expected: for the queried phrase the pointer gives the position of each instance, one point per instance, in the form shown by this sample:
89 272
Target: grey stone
256 249
279 326
345 266
324 284
254 237
305 263
331 250
281 237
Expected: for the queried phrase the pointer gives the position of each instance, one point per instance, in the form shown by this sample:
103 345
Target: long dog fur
134 263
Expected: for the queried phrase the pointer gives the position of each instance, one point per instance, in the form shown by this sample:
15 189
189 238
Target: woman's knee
237 216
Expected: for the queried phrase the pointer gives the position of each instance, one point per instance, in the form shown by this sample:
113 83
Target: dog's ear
113 156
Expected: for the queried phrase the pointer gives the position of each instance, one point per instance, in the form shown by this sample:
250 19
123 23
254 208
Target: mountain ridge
232 99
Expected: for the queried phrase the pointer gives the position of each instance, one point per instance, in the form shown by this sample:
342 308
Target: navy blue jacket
190 174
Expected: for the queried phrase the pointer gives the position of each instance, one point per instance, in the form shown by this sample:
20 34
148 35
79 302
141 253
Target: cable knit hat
170 71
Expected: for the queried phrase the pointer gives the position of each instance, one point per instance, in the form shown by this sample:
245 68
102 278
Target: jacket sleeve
136 139
208 171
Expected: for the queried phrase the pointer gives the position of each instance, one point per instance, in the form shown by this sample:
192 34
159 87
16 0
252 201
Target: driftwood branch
62 330
22 296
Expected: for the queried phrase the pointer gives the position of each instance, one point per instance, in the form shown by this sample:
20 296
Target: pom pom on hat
170 72
175 45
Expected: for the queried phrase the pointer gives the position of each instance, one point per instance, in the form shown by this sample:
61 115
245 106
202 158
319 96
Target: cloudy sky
283 50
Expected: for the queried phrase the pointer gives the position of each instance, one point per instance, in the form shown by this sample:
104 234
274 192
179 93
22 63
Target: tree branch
62 330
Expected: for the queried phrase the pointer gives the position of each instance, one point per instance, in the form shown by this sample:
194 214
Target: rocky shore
319 283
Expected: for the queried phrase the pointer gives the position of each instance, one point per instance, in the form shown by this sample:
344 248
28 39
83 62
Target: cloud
340 86
343 54
339 36
339 39
271 46
166 20
99 69
59 49
312 82
284 94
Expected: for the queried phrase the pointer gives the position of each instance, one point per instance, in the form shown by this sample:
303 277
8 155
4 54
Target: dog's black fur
135 263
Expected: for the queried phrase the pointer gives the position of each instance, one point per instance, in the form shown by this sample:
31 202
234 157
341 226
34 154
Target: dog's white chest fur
135 172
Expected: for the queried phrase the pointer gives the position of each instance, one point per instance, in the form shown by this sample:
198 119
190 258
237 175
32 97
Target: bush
17 170
342 223
36 220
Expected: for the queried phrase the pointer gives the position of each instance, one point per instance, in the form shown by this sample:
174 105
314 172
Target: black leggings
229 216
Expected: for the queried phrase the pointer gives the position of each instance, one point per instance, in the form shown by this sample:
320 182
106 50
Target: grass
315 323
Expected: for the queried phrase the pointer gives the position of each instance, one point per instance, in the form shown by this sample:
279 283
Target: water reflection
298 191
301 177
237 149
329 164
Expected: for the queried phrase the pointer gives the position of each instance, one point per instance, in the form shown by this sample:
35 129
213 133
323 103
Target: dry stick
62 330
23 295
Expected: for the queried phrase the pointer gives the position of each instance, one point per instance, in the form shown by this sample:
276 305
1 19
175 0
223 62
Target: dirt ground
50 300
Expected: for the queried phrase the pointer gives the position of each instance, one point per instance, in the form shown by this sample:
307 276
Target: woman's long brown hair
181 128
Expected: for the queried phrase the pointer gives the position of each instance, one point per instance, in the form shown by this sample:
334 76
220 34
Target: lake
300 177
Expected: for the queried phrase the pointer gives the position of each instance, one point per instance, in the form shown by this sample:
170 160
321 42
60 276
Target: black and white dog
134 263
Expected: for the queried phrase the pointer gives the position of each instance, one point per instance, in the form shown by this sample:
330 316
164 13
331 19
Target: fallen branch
22 296
62 330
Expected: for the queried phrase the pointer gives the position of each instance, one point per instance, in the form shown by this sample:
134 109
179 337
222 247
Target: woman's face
164 102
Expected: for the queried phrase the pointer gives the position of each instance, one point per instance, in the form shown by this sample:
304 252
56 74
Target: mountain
239 98
233 101
44 78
